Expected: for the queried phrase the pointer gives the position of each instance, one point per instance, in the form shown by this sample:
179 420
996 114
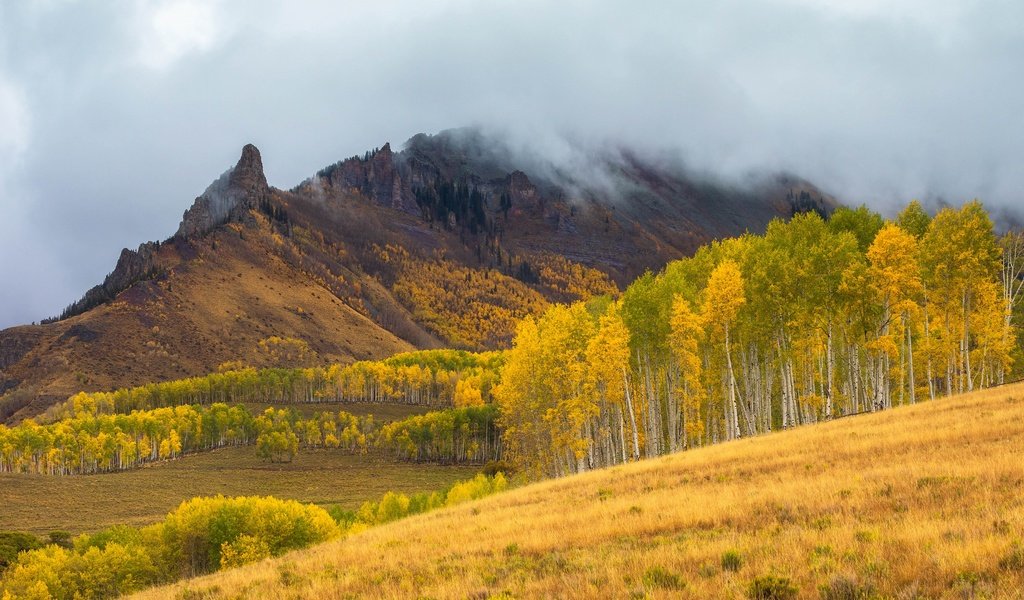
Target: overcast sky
115 115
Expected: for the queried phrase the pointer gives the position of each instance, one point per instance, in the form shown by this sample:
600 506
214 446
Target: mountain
448 242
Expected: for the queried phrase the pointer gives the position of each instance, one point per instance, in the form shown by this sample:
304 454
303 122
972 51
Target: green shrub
770 587
61 538
191 537
731 560
12 543
842 587
493 467
658 577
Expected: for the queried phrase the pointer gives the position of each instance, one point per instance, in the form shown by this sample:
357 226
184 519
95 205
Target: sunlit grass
86 503
920 501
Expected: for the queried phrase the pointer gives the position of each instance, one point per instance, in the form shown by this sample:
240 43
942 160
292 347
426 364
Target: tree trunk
632 416
910 361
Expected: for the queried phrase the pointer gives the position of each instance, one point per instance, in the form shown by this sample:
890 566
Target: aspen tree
896 278
723 298
687 333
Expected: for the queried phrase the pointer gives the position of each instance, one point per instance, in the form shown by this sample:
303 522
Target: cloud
169 31
131 112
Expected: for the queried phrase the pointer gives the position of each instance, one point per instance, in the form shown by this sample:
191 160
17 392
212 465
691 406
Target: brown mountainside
447 243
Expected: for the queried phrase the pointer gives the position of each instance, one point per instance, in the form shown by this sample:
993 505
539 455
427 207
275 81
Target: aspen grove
813 320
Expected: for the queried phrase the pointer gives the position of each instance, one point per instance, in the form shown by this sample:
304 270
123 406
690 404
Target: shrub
478 487
842 587
493 467
61 538
243 550
54 572
658 577
391 507
731 560
770 587
192 536
12 543
1014 559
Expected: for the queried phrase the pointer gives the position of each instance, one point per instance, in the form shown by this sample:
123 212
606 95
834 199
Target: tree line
462 435
95 443
813 320
424 378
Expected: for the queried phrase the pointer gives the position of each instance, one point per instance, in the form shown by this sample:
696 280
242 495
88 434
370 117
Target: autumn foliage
813 320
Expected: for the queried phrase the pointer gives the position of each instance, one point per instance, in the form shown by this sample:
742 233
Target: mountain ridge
373 255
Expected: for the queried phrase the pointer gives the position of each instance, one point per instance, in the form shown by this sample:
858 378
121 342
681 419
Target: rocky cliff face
132 266
236 192
241 188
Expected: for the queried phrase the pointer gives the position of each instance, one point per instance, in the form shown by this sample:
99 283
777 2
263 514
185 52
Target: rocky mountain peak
238 189
248 173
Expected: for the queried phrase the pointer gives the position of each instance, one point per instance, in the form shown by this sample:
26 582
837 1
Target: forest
814 320
811 321
88 443
110 431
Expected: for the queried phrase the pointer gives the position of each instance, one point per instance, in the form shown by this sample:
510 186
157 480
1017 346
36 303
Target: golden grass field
85 503
924 501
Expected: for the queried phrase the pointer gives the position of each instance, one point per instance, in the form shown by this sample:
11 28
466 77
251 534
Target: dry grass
922 501
40 503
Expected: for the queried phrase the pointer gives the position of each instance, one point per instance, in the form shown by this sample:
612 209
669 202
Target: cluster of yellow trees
426 378
563 279
462 435
469 308
91 443
479 308
203 535
813 320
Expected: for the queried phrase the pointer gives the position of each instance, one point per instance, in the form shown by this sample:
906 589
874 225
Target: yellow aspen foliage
684 341
243 550
724 295
467 394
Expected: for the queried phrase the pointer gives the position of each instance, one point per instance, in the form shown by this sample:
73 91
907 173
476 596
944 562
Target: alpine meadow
506 300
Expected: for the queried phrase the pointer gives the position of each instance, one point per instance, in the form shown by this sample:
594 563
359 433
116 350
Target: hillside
918 501
447 243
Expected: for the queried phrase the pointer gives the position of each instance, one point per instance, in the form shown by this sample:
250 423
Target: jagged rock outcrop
375 175
521 190
239 189
132 266
231 196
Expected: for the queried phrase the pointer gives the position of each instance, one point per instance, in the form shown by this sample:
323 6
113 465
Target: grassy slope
41 504
918 501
